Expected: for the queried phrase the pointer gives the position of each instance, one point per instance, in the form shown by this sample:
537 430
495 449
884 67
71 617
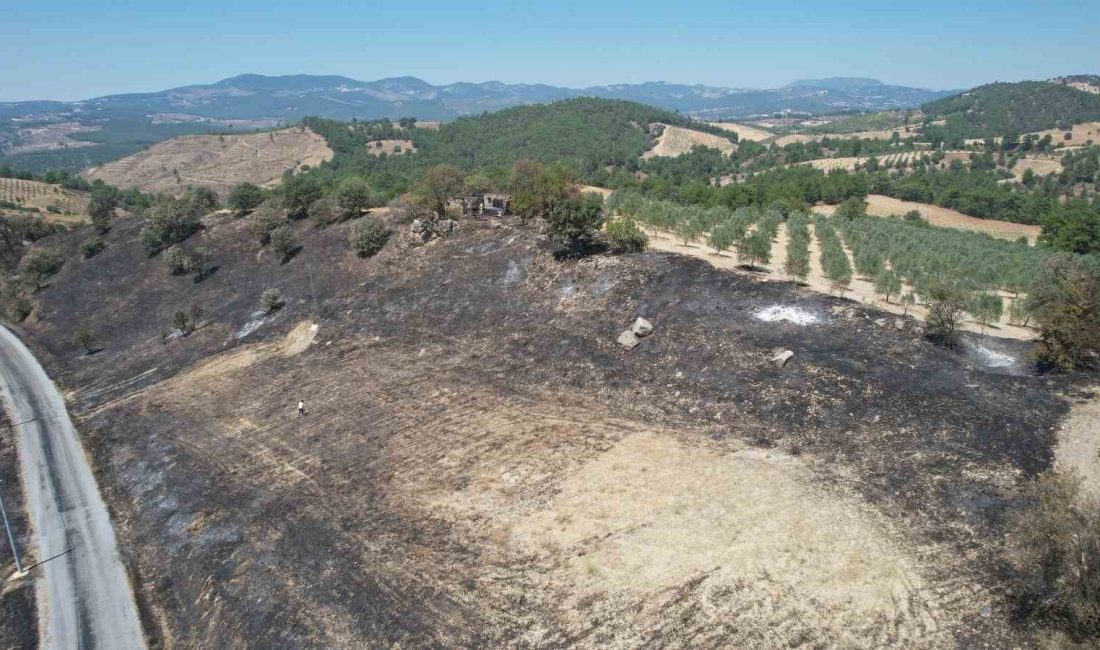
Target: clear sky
76 49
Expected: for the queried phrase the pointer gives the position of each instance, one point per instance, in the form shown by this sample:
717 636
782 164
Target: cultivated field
389 147
215 161
885 206
849 163
744 131
677 141
71 205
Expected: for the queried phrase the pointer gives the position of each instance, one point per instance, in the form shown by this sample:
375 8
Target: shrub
16 305
368 236
245 198
91 247
39 264
1053 548
298 193
201 200
575 222
283 241
268 217
946 301
1065 303
201 257
82 338
270 300
169 221
180 322
177 261
625 236
325 212
101 208
352 196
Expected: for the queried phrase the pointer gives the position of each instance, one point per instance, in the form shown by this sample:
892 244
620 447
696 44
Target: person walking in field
301 408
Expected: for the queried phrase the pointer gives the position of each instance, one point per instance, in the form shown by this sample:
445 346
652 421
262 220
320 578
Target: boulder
628 340
899 324
781 357
641 327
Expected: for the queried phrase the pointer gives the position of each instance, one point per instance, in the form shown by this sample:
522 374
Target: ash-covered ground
482 464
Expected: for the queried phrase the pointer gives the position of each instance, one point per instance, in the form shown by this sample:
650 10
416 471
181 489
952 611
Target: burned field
482 464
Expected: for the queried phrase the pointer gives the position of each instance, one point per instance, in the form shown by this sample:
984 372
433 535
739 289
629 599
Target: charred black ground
228 555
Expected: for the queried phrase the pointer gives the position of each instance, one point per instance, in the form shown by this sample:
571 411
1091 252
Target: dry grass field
215 161
35 194
677 141
744 131
1080 134
884 206
1039 166
379 147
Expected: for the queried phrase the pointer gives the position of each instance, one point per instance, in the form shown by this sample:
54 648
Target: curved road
83 592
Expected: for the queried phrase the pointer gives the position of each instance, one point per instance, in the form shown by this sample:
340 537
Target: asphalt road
83 592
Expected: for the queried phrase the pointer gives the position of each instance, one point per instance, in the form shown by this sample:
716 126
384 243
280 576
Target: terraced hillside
47 199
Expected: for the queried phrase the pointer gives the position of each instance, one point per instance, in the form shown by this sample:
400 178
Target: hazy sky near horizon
77 49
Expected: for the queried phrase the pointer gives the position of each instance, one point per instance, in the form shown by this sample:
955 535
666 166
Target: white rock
628 340
642 327
780 359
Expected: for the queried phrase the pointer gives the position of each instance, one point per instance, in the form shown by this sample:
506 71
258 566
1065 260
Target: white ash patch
795 315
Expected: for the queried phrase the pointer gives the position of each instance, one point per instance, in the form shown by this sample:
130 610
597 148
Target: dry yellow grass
1039 166
35 194
216 161
744 131
884 206
379 147
677 141
1080 134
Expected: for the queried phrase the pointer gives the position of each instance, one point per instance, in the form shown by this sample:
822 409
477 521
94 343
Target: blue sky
75 49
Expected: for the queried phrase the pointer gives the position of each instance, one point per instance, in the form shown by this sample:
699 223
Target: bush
267 218
325 212
39 264
575 222
245 198
283 242
1053 548
82 338
299 192
946 301
177 261
368 236
91 247
16 305
352 196
170 221
1065 303
271 300
625 236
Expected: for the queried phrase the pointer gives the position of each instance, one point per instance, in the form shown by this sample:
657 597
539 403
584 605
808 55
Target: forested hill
587 134
1011 109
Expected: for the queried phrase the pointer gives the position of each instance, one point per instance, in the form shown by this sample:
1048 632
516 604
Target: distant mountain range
258 97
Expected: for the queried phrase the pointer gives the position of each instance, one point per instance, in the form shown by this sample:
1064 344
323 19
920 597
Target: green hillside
1010 109
587 134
